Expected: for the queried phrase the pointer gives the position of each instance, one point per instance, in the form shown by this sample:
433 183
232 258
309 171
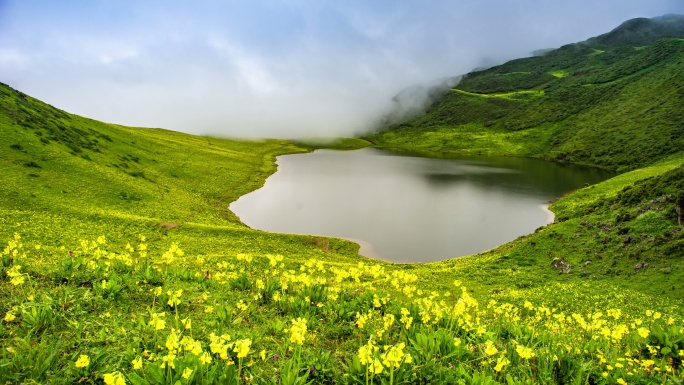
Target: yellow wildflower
83 361
376 366
186 373
405 318
394 355
16 275
366 353
361 319
388 321
643 332
242 347
205 358
297 331
174 297
9 316
172 343
114 378
490 349
137 363
156 321
170 360
524 352
501 362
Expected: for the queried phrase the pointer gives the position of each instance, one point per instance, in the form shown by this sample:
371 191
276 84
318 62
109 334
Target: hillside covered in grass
609 102
121 263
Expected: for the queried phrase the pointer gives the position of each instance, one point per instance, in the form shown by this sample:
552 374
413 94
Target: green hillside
618 108
122 264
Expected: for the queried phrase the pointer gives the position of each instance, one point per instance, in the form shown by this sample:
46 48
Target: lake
403 208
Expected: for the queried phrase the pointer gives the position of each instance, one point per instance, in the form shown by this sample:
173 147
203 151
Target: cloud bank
284 68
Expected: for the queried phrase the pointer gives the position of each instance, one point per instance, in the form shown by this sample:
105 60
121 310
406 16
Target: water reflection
407 208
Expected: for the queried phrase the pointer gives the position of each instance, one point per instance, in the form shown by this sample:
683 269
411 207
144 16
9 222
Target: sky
273 68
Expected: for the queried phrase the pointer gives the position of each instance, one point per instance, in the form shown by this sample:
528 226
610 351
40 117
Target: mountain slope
66 178
619 108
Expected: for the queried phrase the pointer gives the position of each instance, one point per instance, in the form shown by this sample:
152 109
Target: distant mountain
641 31
413 101
613 101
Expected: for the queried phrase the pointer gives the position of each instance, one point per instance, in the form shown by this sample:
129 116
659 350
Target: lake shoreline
408 209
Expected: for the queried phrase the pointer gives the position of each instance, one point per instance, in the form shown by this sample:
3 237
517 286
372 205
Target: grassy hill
123 263
619 107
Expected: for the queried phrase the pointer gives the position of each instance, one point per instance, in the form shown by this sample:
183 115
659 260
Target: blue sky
284 68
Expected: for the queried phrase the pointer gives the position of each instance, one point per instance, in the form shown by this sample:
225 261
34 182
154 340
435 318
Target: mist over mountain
414 101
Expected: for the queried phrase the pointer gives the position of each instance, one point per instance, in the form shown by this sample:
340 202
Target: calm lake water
410 209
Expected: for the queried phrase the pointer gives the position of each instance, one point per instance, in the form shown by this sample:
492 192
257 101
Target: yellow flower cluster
83 361
17 278
137 363
245 257
297 331
394 356
220 345
114 378
174 297
9 316
524 352
406 318
169 256
242 347
490 349
361 319
13 247
501 363
157 321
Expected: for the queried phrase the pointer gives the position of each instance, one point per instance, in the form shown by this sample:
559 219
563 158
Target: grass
126 265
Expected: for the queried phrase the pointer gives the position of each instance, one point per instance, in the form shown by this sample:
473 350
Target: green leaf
135 379
156 373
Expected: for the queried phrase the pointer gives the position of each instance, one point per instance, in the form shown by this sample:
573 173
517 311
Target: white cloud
273 68
13 59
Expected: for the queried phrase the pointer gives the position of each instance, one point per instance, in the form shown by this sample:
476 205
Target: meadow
122 264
